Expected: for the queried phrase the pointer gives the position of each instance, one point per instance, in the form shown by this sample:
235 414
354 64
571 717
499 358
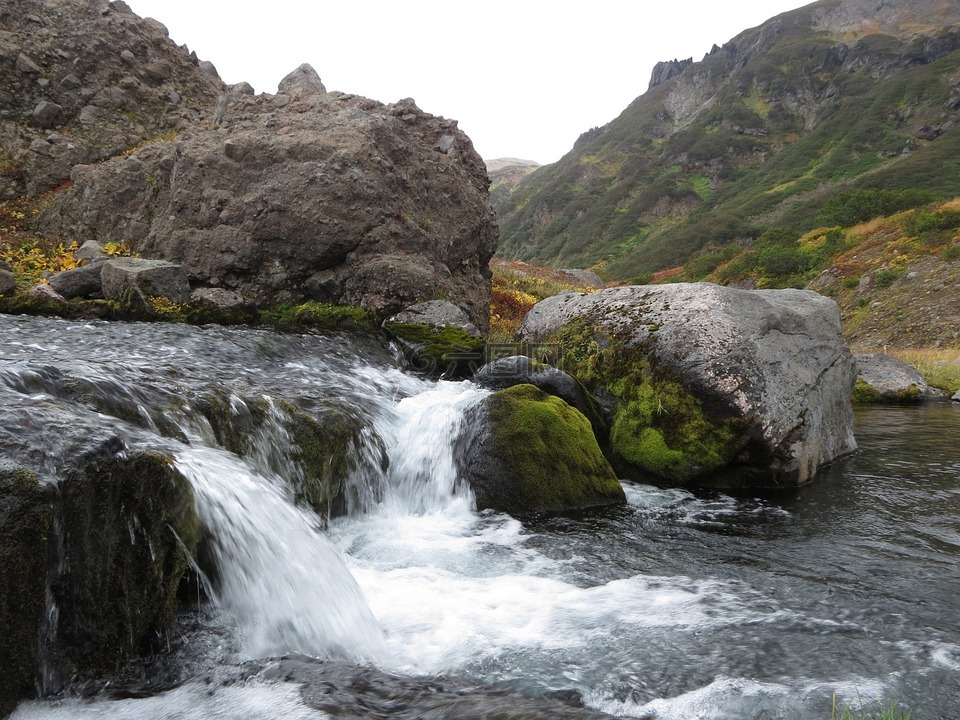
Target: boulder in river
437 338
129 278
533 453
882 378
708 385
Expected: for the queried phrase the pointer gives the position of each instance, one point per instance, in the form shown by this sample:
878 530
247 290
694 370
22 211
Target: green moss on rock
26 521
865 394
539 455
660 429
438 350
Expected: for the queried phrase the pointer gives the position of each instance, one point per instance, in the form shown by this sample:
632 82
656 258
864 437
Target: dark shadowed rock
304 80
132 278
47 114
78 282
882 378
710 385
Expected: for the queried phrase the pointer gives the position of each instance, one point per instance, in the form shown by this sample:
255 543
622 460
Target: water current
678 605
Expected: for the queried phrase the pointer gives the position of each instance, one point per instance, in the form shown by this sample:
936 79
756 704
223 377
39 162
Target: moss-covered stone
322 445
446 350
865 394
26 521
538 454
660 429
128 523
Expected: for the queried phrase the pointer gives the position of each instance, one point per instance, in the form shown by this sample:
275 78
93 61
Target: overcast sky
523 77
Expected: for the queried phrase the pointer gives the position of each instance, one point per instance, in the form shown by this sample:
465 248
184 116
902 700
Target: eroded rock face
710 385
307 196
83 81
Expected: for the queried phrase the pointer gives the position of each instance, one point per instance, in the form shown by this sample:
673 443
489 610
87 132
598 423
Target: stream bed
679 605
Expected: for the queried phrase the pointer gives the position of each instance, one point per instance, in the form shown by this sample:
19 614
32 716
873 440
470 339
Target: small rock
882 378
956 396
159 72
91 251
242 88
78 282
128 57
437 314
26 65
138 278
45 292
48 114
8 284
208 68
219 298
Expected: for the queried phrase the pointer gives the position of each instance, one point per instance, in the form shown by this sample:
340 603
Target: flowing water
678 605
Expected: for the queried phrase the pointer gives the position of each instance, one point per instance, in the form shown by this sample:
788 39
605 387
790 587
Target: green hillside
826 110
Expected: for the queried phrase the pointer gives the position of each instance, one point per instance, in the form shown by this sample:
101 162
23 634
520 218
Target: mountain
505 174
843 104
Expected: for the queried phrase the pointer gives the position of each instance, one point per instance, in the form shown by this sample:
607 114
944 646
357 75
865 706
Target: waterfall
278 576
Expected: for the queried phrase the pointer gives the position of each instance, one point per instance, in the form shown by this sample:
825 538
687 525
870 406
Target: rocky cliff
303 195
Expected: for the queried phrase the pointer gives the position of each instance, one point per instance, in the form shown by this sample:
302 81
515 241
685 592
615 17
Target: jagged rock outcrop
81 82
309 196
706 384
666 70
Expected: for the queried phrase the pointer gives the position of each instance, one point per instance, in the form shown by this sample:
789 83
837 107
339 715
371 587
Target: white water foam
279 577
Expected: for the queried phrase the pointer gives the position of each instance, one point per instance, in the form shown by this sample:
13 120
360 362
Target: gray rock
159 71
47 114
8 284
243 88
45 292
78 282
91 251
304 80
208 68
219 298
586 277
711 385
26 65
891 380
956 396
437 314
138 278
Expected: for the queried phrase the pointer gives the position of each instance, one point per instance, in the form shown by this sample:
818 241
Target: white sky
523 77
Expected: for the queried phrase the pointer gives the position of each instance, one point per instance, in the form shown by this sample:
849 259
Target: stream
680 605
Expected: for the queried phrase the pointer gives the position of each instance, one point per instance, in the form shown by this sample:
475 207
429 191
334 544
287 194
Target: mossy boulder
884 379
438 339
317 451
92 561
707 385
534 453
26 524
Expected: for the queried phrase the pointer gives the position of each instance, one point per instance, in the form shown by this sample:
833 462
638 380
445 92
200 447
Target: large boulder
79 281
8 282
303 196
882 378
708 385
533 453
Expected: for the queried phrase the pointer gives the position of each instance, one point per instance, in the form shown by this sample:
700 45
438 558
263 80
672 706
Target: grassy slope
790 116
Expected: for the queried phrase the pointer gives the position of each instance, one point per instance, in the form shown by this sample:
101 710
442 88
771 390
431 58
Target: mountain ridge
761 132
